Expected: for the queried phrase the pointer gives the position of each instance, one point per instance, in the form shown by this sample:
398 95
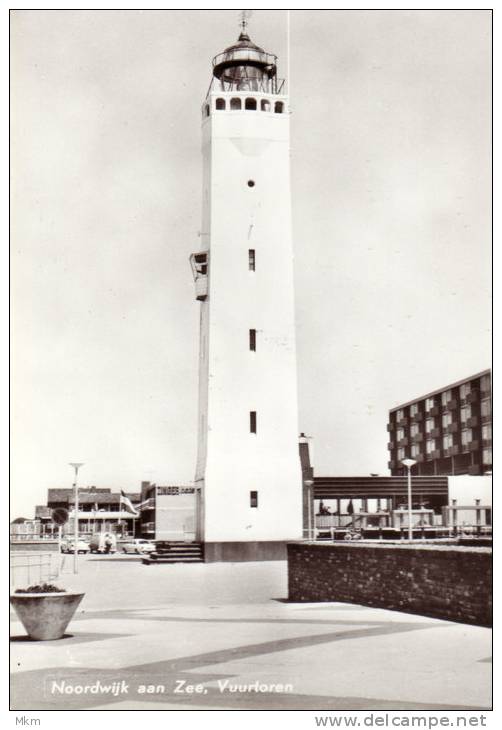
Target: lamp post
76 466
309 483
408 464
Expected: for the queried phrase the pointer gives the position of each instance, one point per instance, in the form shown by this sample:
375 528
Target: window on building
235 104
415 429
252 421
429 425
447 441
465 413
465 389
400 414
265 105
253 499
415 450
220 104
466 436
252 340
251 104
429 404
445 397
279 107
446 419
430 445
485 383
400 454
206 110
486 407
400 434
486 431
487 456
251 259
414 409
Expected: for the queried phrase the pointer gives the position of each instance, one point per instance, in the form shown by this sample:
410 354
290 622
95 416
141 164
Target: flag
350 508
126 502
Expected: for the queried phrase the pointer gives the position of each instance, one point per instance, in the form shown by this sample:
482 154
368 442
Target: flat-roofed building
447 431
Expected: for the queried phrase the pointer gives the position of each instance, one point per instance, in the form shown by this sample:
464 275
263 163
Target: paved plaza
222 636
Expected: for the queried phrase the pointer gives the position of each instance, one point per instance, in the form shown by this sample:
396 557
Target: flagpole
76 467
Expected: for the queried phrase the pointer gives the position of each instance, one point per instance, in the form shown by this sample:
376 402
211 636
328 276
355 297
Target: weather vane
245 15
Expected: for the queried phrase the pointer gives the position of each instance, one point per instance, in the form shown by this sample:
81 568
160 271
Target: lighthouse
248 474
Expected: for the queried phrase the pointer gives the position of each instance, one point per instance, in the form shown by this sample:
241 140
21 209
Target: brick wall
444 582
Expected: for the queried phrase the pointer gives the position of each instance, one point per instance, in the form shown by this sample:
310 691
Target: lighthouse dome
244 65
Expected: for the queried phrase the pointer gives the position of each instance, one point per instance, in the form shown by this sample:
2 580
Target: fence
37 567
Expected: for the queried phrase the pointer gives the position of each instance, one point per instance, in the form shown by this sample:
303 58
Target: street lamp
76 467
309 484
408 464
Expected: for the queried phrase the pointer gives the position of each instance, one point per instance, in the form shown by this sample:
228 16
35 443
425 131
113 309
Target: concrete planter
45 616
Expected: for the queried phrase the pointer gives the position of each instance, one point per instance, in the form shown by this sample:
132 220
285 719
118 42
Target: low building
100 510
169 512
447 431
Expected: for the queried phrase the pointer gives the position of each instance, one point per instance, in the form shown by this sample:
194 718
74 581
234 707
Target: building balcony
419 458
417 417
487 418
104 515
417 438
391 445
403 442
452 404
436 454
486 442
434 411
435 433
474 445
472 422
452 428
453 450
472 397
390 427
402 421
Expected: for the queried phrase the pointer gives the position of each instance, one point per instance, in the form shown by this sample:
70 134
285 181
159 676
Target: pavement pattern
222 636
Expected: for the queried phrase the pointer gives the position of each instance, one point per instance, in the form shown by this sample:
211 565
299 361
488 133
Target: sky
391 190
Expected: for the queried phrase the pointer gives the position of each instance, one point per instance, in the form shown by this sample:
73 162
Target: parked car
68 546
138 546
103 542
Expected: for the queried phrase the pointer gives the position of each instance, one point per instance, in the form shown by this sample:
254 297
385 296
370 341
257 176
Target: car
68 546
138 546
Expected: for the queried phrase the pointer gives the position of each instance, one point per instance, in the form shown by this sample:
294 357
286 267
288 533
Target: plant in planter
45 610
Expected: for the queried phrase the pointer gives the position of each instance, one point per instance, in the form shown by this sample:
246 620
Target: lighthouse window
252 259
206 110
252 421
253 499
220 104
265 105
279 107
235 104
251 104
252 340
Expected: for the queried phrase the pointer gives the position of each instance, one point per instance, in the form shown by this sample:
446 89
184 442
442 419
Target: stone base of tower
240 552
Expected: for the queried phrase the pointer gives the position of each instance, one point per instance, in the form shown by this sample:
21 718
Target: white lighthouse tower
248 469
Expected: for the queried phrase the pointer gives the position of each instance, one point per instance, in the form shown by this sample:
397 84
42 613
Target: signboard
60 516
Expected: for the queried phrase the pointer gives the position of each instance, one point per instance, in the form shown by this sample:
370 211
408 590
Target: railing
37 567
